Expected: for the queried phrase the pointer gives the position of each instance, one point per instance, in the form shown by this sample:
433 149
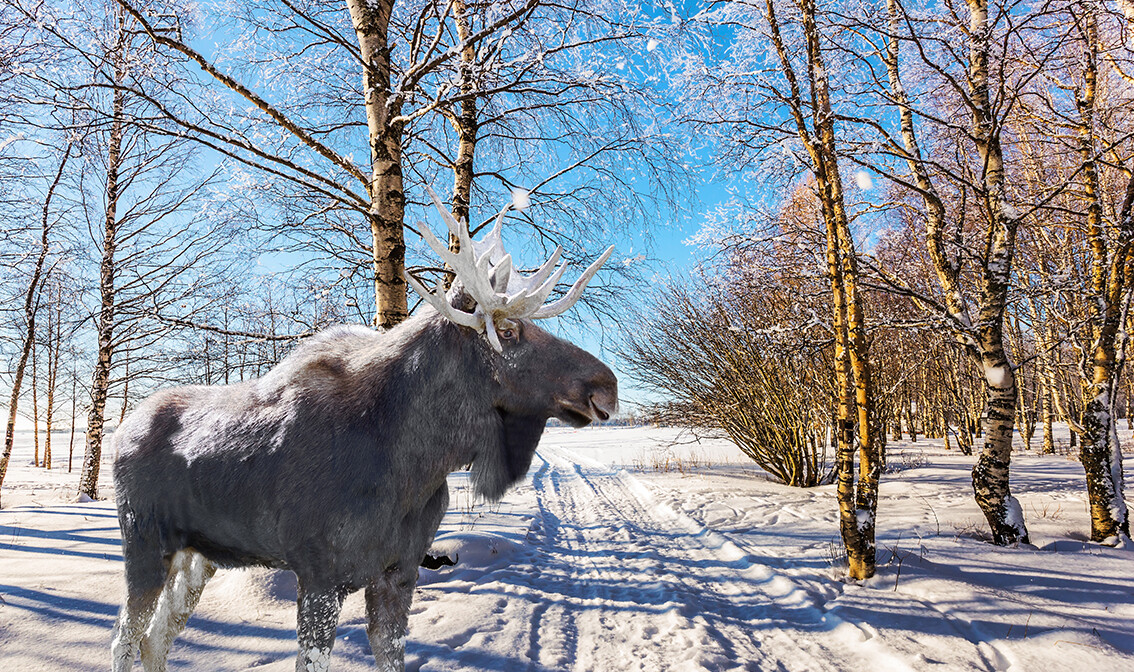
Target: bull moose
333 464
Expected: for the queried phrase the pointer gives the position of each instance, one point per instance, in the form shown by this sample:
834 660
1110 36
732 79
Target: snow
623 550
996 375
477 551
863 180
1010 211
863 519
320 659
1014 513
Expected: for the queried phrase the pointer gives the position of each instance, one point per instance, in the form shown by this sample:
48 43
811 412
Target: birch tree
551 109
146 217
1029 156
1083 103
389 75
154 245
775 99
116 72
31 308
1111 280
975 220
288 138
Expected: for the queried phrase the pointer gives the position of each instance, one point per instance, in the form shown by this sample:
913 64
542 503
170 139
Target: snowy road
622 572
611 579
652 588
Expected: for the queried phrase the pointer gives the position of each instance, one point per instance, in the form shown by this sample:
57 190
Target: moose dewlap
333 464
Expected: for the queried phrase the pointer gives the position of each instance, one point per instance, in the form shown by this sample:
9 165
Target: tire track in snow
649 582
992 655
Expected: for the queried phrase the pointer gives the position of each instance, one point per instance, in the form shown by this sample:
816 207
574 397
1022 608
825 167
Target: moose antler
485 272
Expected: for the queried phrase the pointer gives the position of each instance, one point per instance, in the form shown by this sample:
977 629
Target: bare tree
536 96
53 342
1027 160
1081 136
147 218
35 399
1108 299
32 299
730 358
311 158
117 59
532 82
773 97
974 303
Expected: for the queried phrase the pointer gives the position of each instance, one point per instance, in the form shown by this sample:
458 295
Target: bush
722 373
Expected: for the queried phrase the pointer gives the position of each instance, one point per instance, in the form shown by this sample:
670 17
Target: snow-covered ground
620 553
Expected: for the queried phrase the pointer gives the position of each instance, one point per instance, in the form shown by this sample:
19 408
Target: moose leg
388 597
146 570
318 620
387 611
188 573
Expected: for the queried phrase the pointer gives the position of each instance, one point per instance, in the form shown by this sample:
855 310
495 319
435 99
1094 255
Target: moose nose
604 395
600 412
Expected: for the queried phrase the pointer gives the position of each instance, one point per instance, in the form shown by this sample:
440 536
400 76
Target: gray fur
333 465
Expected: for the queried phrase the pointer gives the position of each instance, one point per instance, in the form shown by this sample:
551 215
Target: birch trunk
126 388
1101 453
74 410
35 401
860 542
858 497
1044 377
54 343
371 22
948 445
464 122
965 440
1130 406
100 377
990 474
860 562
1048 428
984 338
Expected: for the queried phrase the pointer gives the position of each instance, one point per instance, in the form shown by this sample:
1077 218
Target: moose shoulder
333 465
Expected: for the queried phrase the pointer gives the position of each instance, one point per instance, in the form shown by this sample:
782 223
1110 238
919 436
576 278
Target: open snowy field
620 553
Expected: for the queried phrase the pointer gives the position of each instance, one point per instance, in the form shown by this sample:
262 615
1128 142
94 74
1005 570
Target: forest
912 219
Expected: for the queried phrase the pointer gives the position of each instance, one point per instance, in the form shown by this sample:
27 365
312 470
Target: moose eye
507 333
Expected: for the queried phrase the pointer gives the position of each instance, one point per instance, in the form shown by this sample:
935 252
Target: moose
333 464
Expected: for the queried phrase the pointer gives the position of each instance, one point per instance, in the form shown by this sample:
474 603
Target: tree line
936 232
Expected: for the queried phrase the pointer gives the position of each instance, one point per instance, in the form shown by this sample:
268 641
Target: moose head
534 375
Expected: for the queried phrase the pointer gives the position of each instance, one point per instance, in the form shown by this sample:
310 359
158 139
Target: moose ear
461 300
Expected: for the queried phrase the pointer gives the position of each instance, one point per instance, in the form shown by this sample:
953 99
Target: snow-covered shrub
720 373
